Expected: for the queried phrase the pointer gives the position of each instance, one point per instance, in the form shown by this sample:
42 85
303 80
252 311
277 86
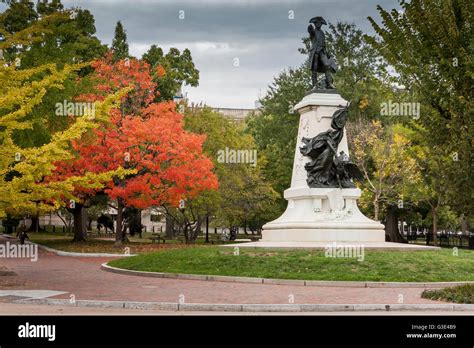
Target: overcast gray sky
261 34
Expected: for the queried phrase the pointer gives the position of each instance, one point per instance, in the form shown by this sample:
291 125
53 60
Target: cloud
264 35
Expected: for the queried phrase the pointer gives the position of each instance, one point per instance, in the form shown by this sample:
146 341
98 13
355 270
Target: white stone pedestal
320 214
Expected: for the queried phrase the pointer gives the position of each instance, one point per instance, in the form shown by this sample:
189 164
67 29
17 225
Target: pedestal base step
327 234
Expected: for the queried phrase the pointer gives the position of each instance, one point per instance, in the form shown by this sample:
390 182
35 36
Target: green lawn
457 294
418 266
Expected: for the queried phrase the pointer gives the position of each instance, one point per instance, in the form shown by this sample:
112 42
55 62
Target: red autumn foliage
169 160
110 77
150 139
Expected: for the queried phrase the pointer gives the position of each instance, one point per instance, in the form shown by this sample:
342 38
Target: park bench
157 237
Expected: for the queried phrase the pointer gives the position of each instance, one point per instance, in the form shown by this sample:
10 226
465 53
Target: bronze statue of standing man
319 59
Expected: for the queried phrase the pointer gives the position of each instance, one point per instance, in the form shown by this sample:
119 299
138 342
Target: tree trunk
186 233
35 226
392 234
119 224
376 209
10 223
463 223
169 230
434 231
192 233
197 230
207 229
80 223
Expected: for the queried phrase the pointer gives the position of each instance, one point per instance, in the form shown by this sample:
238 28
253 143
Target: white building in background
236 114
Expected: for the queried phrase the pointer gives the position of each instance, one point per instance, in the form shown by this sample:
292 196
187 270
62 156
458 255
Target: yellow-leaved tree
384 155
24 188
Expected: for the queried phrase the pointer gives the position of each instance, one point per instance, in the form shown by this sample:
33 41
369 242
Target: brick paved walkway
83 277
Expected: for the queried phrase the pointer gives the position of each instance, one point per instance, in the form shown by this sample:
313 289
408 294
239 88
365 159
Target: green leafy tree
67 37
171 71
119 43
432 193
244 197
429 44
384 156
276 128
17 17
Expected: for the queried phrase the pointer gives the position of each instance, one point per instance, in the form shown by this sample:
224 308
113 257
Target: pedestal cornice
320 99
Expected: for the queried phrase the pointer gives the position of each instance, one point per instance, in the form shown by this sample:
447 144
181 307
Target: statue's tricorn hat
317 19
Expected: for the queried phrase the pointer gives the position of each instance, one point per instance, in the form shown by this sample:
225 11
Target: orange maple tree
144 136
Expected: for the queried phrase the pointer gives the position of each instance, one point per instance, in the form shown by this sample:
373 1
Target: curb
74 254
69 253
319 283
218 307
